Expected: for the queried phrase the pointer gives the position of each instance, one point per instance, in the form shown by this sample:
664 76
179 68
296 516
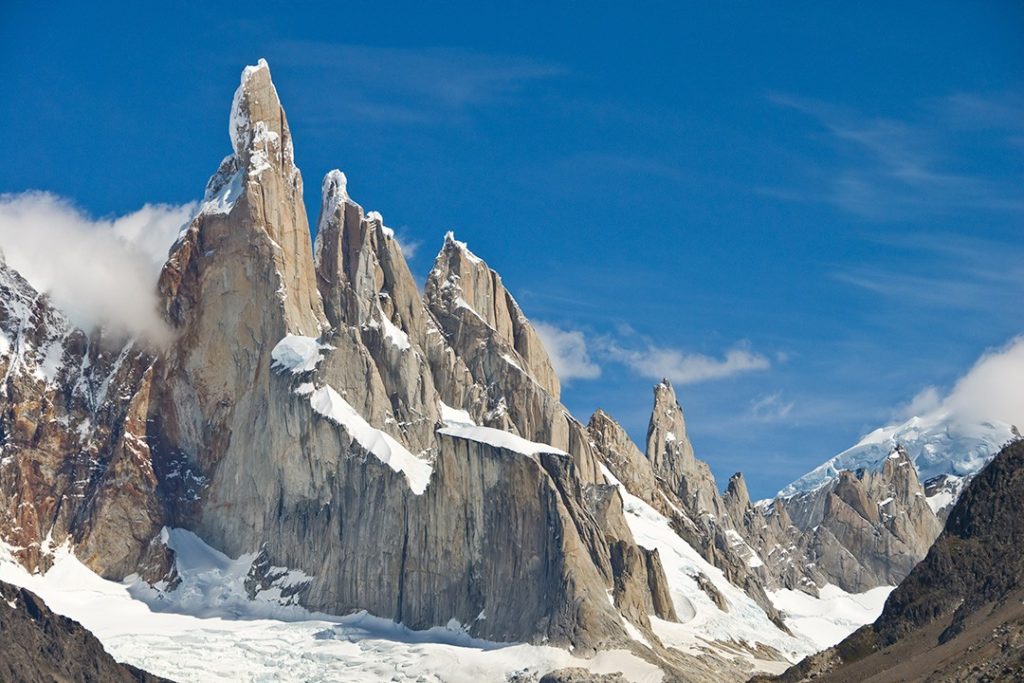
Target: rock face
38 645
862 530
75 464
958 616
312 395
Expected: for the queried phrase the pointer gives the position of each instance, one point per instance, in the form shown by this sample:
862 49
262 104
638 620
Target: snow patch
329 403
455 416
394 334
297 354
829 618
449 238
222 199
498 439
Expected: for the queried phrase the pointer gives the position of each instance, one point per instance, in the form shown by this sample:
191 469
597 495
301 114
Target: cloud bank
990 390
97 271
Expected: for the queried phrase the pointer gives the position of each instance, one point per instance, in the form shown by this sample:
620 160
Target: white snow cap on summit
239 124
335 184
449 237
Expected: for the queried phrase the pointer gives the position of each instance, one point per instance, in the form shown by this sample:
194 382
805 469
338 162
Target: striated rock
366 285
578 675
307 395
859 531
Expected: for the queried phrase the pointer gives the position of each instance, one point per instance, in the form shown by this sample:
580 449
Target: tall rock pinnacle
672 457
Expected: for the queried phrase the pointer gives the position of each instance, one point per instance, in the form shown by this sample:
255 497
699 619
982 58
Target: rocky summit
319 436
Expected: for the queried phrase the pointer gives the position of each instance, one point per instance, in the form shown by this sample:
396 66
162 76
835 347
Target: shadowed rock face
38 645
958 615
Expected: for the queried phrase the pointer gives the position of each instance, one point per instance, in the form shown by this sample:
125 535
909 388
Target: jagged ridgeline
401 453
408 453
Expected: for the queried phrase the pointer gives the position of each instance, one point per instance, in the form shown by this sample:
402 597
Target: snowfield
826 620
207 630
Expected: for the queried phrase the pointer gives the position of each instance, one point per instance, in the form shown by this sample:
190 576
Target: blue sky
803 214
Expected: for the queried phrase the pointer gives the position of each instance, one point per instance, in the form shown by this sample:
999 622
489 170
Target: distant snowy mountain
941 444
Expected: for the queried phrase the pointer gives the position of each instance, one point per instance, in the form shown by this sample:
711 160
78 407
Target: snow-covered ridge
938 444
702 622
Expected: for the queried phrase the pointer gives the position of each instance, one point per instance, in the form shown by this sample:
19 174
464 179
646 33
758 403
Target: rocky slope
38 645
74 461
958 616
670 478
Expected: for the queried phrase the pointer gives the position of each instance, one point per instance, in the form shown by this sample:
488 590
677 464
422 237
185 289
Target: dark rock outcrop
959 615
37 645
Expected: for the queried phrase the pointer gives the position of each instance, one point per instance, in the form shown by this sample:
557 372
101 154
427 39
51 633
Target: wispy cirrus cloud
411 86
889 168
771 407
947 271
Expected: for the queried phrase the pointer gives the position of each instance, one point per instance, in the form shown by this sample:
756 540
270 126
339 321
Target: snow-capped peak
938 443
449 238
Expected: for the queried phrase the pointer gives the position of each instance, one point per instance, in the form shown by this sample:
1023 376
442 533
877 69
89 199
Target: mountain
958 616
864 518
334 441
38 645
323 450
945 448
860 531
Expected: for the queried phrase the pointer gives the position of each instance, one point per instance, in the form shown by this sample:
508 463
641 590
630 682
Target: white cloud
770 408
993 389
407 244
568 352
98 271
688 368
